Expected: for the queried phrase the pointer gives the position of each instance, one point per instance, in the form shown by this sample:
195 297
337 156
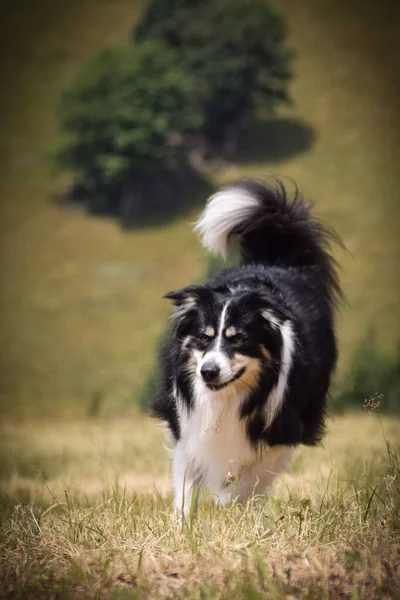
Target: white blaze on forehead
222 324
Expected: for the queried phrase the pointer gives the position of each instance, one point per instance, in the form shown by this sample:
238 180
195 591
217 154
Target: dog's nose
210 372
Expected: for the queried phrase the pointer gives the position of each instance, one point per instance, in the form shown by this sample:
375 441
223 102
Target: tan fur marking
196 356
266 353
250 377
239 361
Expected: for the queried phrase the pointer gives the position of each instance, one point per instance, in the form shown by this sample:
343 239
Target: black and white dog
247 371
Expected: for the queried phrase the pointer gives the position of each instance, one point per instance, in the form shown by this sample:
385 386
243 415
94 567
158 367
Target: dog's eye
239 338
203 337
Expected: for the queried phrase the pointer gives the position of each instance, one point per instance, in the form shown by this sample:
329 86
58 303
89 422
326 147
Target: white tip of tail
224 211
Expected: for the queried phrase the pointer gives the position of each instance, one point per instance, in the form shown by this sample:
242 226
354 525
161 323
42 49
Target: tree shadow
273 140
148 200
165 197
158 198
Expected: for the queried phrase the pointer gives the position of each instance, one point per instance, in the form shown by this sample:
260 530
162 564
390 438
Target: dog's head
227 336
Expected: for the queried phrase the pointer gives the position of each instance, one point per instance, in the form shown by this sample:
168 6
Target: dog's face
226 336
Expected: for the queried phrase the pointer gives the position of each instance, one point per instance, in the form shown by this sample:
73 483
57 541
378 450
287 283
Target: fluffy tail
272 229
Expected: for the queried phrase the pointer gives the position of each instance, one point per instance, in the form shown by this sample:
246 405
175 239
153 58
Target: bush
371 375
125 116
235 49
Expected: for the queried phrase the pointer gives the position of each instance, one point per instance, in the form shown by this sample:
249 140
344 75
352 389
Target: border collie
246 373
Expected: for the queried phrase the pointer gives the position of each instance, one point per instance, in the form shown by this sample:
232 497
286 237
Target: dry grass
86 513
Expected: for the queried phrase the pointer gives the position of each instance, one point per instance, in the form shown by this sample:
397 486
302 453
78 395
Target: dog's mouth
215 387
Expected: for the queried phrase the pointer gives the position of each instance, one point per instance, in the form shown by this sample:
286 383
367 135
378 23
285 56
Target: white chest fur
215 450
215 437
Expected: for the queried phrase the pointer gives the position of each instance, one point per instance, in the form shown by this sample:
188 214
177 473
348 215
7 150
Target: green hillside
81 299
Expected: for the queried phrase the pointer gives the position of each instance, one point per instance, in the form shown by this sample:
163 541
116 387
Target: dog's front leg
258 478
185 482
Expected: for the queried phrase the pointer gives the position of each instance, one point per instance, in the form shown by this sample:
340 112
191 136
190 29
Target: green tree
125 116
235 49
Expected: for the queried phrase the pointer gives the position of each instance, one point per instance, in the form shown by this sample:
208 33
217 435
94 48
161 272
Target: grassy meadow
84 477
86 513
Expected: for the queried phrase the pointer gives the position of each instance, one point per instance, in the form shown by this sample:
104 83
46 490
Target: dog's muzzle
215 387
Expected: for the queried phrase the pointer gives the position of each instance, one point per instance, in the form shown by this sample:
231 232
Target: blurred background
118 118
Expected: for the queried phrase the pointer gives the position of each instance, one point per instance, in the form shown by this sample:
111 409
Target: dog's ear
187 295
273 311
186 299
263 303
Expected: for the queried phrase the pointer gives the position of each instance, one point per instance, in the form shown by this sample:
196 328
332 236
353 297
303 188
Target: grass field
84 478
86 514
